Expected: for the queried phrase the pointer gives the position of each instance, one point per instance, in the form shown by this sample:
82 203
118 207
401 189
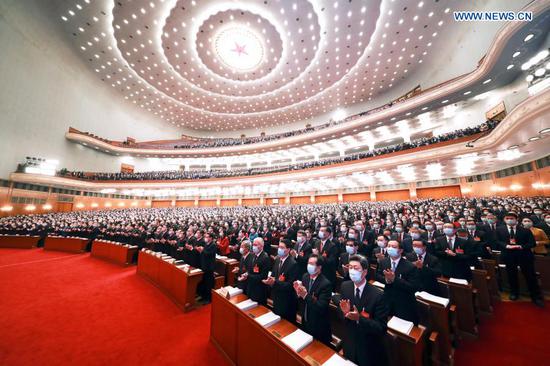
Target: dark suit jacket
282 292
259 268
344 259
454 266
330 254
524 237
363 340
399 295
303 256
244 266
315 316
428 274
208 257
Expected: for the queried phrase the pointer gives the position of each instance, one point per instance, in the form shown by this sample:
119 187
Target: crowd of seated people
221 142
411 243
204 174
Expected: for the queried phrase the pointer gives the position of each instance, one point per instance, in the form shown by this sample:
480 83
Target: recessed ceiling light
516 54
534 138
487 81
509 66
424 108
546 130
513 147
445 101
468 92
529 37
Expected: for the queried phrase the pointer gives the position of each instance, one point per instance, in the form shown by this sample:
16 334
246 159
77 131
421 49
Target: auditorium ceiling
234 65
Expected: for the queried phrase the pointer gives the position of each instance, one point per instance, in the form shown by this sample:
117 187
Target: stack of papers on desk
400 325
233 291
429 297
459 281
337 360
378 284
220 256
196 270
298 340
247 304
268 319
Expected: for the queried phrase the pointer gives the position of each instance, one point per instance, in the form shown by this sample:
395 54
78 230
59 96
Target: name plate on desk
400 325
379 284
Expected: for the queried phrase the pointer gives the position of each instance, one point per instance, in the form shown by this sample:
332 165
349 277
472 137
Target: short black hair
355 243
320 259
511 214
362 260
286 242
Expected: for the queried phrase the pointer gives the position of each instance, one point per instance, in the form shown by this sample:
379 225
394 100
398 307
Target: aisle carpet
516 334
61 309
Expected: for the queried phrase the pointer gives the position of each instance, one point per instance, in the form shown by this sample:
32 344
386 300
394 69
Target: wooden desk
462 296
438 319
18 241
410 348
244 342
224 267
66 244
179 285
113 252
480 281
490 265
542 266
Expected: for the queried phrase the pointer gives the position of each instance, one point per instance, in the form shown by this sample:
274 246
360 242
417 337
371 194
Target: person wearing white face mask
260 267
516 243
352 247
379 252
428 267
301 252
283 275
400 278
314 290
454 254
545 224
244 265
365 313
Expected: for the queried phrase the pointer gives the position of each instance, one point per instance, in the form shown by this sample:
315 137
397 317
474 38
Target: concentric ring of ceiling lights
309 57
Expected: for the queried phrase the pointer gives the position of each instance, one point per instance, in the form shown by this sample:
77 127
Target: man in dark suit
283 275
427 266
301 252
380 252
260 266
429 235
545 224
315 292
365 314
454 254
326 248
516 243
241 272
352 247
401 282
207 258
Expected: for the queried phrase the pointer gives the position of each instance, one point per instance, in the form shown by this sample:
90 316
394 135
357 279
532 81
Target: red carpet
516 334
59 309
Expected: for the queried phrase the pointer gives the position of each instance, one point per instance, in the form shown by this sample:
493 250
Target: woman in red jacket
223 244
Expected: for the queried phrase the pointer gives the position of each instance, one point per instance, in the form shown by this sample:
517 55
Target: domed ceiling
233 65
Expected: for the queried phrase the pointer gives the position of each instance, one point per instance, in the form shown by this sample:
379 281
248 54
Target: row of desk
118 253
243 341
18 241
179 284
66 244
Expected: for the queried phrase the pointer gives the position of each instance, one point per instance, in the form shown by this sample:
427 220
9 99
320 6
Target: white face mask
311 269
